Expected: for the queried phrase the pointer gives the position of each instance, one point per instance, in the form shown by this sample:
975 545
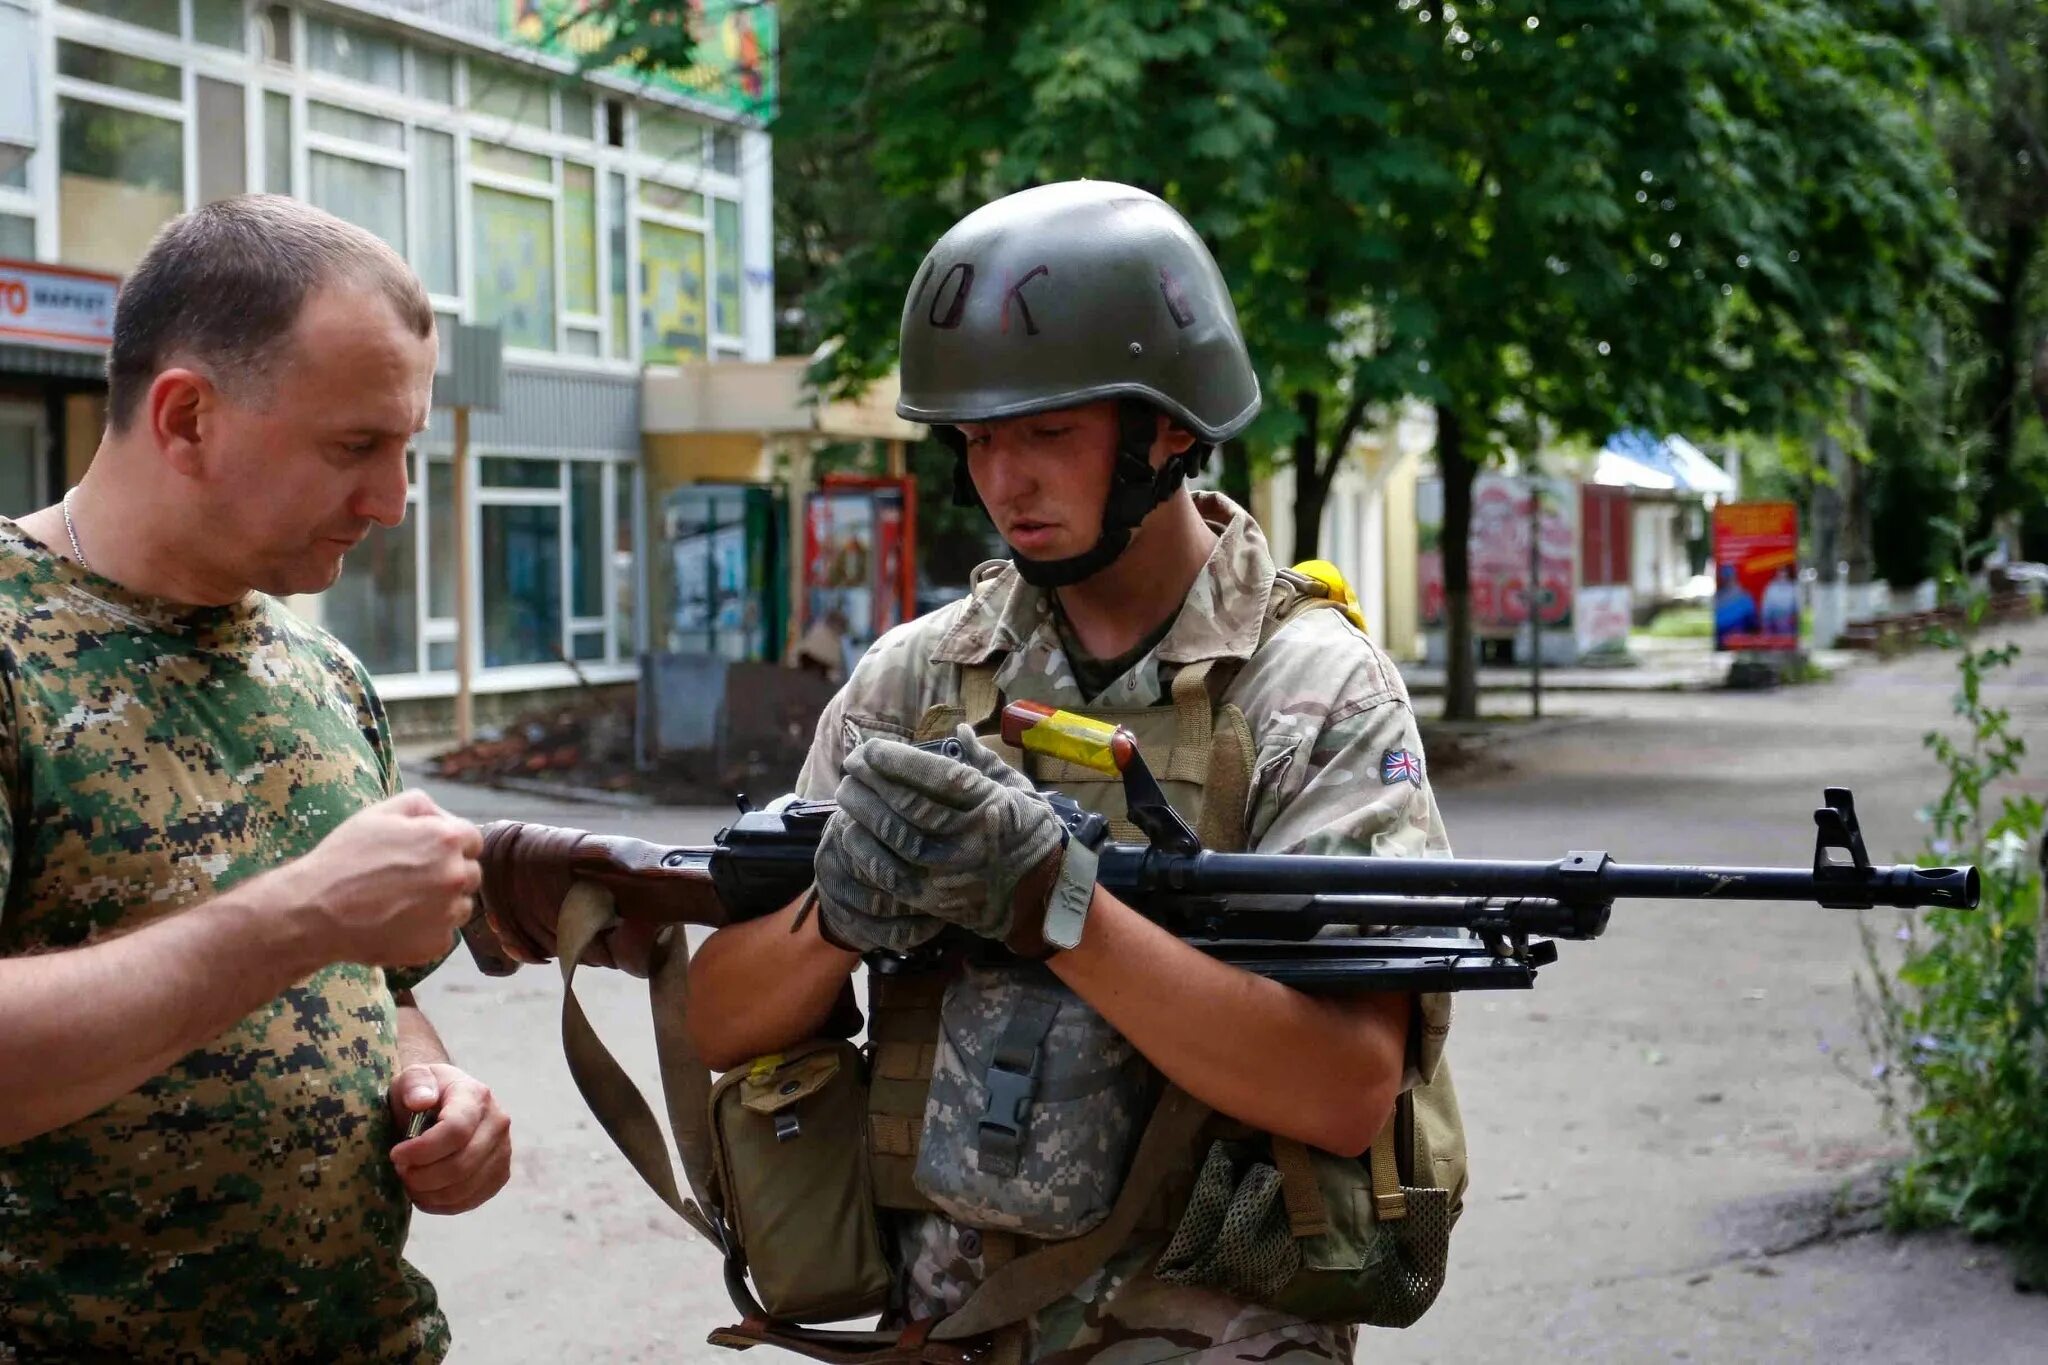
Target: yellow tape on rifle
1075 738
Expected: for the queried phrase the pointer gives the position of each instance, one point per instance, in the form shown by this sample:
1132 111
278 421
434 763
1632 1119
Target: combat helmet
1070 294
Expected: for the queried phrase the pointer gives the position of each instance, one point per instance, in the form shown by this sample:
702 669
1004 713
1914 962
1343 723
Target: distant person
822 649
217 900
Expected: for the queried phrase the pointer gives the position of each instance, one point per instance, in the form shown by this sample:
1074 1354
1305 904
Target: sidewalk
1654 666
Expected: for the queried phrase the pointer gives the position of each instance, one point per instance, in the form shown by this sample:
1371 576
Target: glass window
671 200
725 245
120 70
277 142
579 238
498 471
505 93
219 23
674 140
223 140
277 34
588 645
625 490
17 237
374 606
356 53
121 176
433 75
161 15
515 265
671 294
368 195
434 183
14 172
586 520
336 121
725 151
521 562
444 338
621 266
495 156
579 112
441 545
441 656
582 341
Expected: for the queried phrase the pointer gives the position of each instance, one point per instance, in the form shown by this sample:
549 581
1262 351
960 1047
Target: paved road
1657 1131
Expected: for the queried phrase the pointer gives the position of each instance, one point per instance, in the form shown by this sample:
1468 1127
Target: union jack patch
1398 765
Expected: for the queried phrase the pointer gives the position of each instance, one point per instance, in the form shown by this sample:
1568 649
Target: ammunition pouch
1327 1238
1036 1103
790 1159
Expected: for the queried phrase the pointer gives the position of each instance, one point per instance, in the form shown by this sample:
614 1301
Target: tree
1993 122
1544 218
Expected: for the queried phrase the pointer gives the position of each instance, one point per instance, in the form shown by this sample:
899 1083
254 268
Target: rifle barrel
1579 877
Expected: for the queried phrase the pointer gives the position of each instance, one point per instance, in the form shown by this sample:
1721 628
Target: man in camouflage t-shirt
207 862
1076 346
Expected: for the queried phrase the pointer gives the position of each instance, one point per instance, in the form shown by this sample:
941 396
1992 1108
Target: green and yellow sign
732 45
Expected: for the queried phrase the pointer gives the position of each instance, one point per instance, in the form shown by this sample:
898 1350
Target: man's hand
855 911
465 1157
391 884
948 839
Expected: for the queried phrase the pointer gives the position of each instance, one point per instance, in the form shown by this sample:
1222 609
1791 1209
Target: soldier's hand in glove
856 909
966 841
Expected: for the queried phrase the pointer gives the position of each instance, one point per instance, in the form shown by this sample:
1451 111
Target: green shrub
1959 1031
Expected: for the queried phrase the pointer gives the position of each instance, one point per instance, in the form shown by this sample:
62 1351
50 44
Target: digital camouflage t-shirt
240 1206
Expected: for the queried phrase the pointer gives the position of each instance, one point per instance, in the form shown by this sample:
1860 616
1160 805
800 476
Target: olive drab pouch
789 1140
1035 1106
1327 1238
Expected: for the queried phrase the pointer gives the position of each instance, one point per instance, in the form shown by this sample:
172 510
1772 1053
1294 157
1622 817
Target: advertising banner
732 43
54 306
1756 575
1499 555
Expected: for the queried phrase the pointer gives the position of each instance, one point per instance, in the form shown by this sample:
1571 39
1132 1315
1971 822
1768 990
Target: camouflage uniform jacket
239 1206
1337 769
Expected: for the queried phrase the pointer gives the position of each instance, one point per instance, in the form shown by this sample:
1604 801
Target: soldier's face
319 459
1045 478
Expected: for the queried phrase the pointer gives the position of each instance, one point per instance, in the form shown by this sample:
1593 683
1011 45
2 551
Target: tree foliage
1546 217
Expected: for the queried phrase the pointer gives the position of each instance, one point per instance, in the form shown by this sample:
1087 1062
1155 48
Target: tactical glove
856 911
966 841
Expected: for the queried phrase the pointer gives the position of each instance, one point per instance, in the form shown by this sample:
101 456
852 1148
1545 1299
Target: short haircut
221 287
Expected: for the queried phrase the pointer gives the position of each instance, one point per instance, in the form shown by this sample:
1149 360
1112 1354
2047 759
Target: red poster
1756 575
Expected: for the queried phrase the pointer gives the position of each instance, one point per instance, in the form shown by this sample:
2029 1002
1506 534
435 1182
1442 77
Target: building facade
607 224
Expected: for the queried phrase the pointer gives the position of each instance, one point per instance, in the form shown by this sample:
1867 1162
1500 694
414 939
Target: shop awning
1667 464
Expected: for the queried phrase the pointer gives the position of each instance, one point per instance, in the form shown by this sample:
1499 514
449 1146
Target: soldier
217 900
1077 347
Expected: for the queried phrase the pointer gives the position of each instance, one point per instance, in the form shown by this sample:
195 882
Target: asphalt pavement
1672 1139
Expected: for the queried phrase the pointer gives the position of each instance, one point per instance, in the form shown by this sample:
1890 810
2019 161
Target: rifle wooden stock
529 868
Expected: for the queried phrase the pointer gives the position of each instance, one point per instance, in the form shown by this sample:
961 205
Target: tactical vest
1201 750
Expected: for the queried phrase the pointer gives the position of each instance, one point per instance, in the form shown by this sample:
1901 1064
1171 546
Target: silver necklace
71 530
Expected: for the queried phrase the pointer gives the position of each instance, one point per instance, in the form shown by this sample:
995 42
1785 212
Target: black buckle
1009 1098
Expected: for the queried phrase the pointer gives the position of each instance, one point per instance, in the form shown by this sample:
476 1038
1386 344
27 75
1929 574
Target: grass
1681 623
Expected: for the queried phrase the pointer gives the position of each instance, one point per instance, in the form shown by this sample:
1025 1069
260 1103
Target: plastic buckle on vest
1010 1093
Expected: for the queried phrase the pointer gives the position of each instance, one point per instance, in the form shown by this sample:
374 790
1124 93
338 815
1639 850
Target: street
1660 1132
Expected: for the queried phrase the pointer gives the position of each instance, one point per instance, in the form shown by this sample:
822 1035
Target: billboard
733 42
1499 555
1756 575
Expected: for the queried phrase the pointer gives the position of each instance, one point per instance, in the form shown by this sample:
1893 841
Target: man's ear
1172 440
177 407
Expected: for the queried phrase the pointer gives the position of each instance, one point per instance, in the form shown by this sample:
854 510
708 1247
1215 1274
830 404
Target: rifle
1261 912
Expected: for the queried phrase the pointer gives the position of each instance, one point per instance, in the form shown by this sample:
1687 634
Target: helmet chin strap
1135 488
